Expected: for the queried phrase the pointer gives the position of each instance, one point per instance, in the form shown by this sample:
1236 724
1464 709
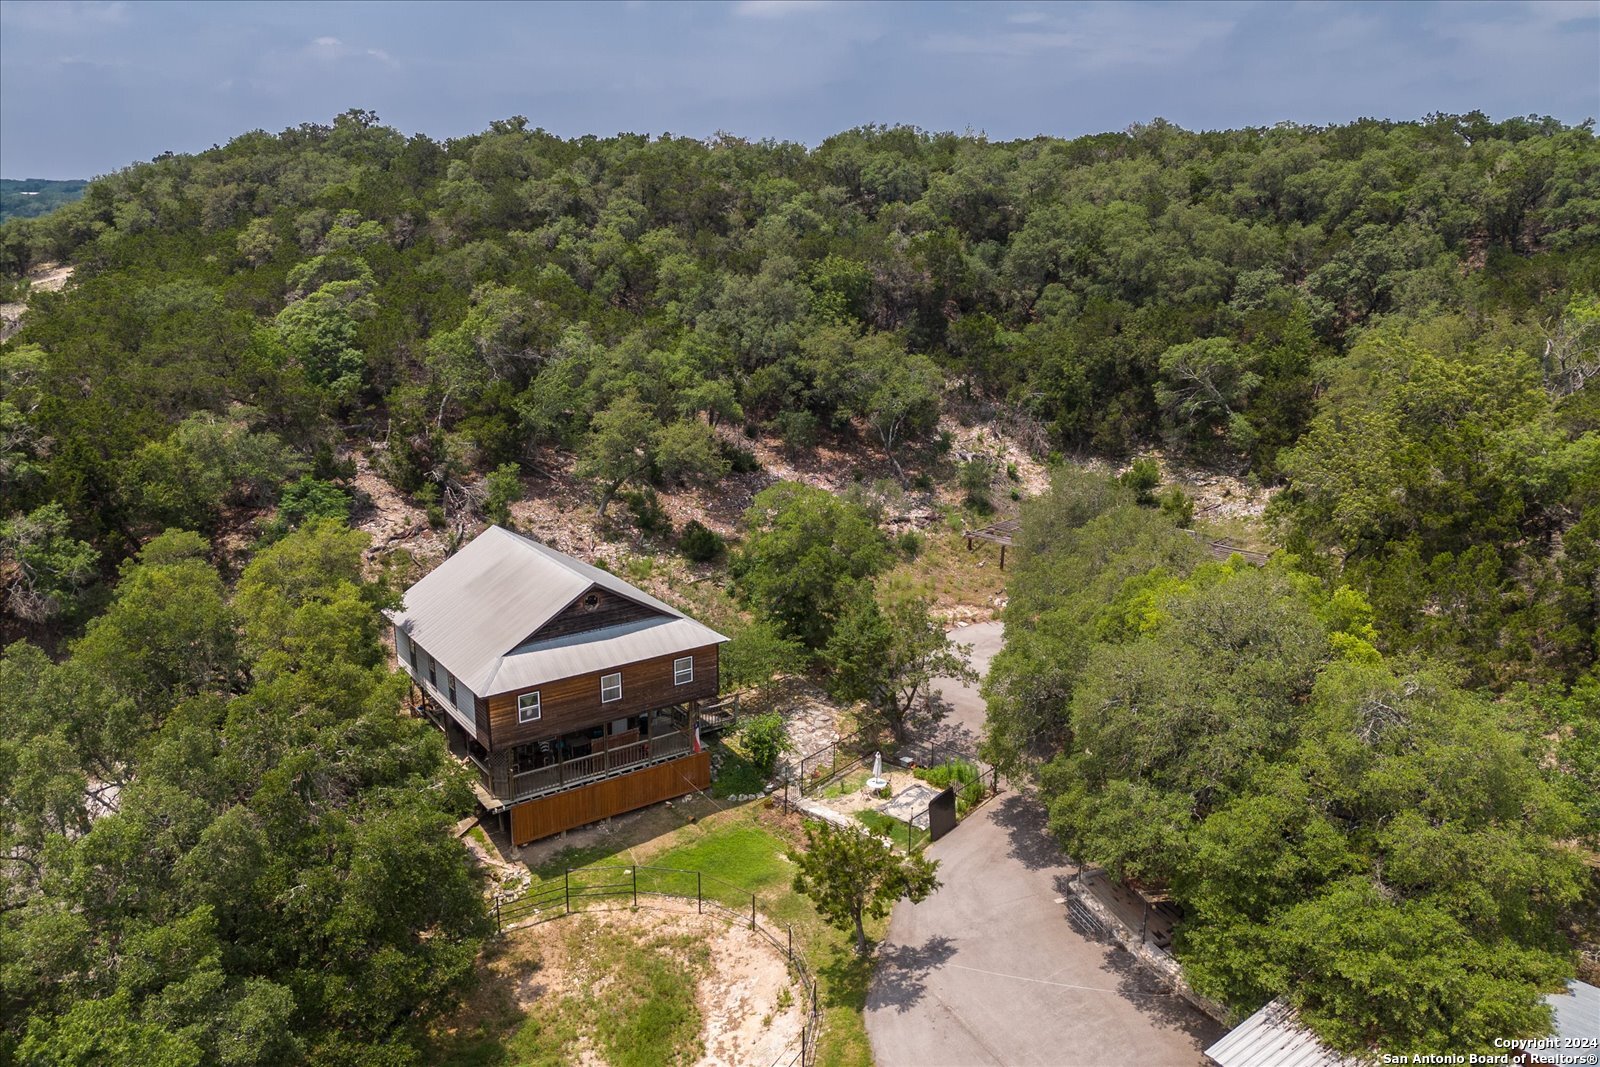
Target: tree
688 452
806 554
851 875
903 401
168 633
757 652
249 869
319 332
888 655
204 465
620 447
1204 388
49 567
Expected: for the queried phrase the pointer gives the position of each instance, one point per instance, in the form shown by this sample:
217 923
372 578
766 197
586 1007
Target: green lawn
899 831
737 776
848 785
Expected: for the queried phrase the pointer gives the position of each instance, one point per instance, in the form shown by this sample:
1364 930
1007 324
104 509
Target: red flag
697 737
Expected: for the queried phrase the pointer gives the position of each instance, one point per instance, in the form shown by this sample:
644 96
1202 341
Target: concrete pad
910 802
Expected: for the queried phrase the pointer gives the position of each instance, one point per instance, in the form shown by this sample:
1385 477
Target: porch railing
597 765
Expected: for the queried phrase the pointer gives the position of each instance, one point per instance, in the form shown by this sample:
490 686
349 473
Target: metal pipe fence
816 769
582 886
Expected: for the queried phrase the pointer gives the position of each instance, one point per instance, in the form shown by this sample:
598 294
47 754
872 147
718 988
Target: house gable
594 609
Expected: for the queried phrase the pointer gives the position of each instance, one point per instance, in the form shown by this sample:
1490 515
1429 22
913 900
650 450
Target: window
610 687
452 680
528 707
412 645
433 675
683 670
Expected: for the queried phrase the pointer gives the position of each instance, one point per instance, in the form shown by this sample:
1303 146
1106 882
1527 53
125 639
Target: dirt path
45 278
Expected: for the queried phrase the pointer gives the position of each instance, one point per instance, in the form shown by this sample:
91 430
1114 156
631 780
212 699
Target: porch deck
575 773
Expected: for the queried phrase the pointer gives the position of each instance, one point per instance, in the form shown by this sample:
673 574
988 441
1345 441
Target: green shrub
648 514
1142 478
700 543
1179 506
959 772
428 496
798 428
504 485
764 738
304 500
974 478
964 776
910 544
740 460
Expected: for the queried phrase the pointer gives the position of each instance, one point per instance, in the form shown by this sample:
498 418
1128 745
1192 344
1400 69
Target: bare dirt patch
391 520
749 1003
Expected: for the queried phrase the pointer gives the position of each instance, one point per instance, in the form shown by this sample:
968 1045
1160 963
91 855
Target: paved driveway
962 724
993 969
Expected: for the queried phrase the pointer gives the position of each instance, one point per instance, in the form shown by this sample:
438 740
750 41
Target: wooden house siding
472 706
539 818
578 617
568 704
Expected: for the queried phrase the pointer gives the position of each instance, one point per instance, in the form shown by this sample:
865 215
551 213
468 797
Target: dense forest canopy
474 302
222 844
1384 745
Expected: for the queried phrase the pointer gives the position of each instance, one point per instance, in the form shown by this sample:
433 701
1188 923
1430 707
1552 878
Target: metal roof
1577 1014
473 611
585 653
1275 1037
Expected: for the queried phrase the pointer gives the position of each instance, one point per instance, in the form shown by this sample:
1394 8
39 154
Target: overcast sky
89 87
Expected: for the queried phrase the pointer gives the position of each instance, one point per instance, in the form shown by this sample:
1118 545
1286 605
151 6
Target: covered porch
581 758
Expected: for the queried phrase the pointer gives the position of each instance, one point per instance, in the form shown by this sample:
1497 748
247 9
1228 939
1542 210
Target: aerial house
574 695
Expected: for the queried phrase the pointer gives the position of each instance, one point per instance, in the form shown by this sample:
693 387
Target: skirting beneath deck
534 819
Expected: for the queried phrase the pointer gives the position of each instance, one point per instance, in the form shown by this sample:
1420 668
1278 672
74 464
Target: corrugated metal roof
628 642
1275 1037
1577 1014
472 611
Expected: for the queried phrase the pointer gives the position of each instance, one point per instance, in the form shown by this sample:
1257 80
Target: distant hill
31 197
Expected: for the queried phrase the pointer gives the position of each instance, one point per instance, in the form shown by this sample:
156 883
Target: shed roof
1274 1037
1577 1013
474 610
